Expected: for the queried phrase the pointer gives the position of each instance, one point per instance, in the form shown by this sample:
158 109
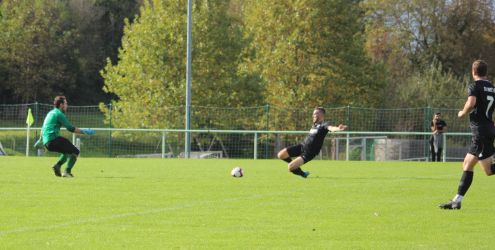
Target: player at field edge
53 142
479 106
311 145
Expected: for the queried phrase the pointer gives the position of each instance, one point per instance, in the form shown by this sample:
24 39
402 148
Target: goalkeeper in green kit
50 138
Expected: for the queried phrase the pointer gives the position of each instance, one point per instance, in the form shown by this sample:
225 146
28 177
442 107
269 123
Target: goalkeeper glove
87 131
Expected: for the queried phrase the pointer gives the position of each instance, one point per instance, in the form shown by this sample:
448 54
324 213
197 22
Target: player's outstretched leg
300 172
295 167
284 155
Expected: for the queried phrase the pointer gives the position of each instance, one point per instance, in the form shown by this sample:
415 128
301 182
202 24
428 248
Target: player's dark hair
480 68
58 100
321 109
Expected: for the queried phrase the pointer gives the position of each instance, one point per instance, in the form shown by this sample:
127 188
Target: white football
237 172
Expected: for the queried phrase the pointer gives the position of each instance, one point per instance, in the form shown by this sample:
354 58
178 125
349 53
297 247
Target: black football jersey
314 140
484 92
439 124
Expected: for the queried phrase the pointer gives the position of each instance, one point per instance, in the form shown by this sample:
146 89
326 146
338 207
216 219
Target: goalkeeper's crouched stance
68 153
50 138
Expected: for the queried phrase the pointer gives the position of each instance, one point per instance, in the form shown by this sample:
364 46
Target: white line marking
171 208
126 215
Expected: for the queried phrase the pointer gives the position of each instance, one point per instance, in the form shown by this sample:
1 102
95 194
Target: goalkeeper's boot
306 174
67 174
451 205
56 170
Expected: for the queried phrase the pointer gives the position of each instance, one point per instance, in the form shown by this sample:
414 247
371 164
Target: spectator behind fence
438 127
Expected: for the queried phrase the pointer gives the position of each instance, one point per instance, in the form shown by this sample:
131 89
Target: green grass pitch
196 204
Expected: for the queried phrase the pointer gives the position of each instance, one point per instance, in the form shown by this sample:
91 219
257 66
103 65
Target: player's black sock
466 180
298 171
288 159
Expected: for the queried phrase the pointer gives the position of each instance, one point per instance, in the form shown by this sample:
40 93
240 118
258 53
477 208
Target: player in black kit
479 106
311 145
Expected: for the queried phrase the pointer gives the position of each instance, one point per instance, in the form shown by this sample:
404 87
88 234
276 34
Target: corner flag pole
29 122
187 144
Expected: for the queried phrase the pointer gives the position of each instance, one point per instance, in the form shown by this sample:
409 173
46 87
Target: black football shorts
62 145
482 142
299 150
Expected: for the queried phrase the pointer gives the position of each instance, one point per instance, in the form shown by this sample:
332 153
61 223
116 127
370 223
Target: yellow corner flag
30 118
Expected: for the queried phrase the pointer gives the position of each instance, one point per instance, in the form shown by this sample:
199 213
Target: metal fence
246 132
253 144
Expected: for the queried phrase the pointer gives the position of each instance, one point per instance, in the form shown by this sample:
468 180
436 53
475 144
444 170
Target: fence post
267 114
427 120
337 151
163 144
347 146
110 131
348 118
36 112
255 146
444 153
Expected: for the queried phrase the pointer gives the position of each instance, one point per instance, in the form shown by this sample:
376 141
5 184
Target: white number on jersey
490 103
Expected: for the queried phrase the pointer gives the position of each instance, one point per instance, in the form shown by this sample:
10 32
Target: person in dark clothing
311 145
438 127
479 106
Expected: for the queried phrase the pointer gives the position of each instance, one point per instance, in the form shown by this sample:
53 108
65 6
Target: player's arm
433 126
341 127
71 128
468 106
63 120
84 131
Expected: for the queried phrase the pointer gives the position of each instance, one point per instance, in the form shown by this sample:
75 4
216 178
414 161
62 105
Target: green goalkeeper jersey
54 120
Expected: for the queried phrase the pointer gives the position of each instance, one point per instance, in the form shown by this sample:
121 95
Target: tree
53 47
35 49
413 37
434 87
149 77
311 53
99 25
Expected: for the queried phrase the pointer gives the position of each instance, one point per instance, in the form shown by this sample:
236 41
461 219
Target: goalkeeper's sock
298 171
288 159
62 159
70 164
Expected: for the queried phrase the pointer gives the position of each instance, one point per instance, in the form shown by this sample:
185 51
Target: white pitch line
126 215
171 208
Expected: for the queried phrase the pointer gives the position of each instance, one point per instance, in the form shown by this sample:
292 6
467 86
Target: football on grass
237 172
